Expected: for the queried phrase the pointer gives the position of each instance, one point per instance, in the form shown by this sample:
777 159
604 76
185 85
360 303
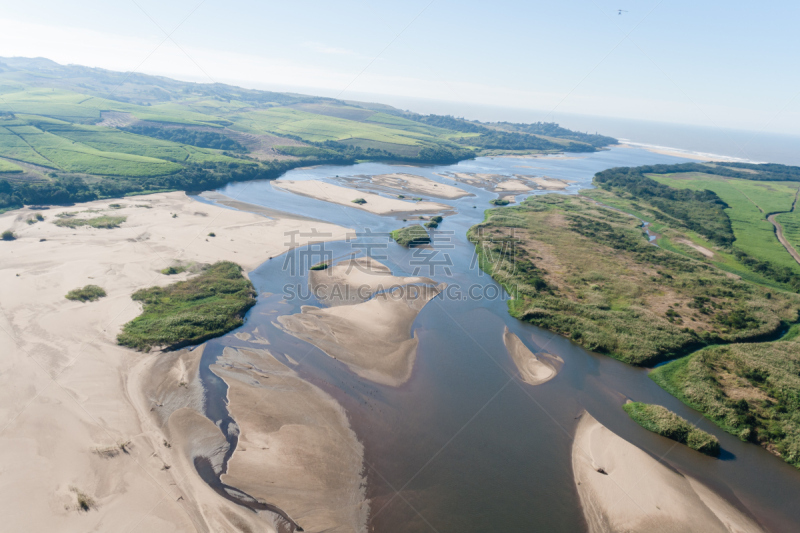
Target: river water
464 446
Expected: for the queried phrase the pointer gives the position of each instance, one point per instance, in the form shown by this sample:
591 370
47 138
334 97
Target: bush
411 236
359 201
8 235
192 311
661 420
89 293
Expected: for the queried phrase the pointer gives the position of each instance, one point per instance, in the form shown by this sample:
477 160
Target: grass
102 222
587 272
190 312
661 420
172 270
9 167
8 235
411 236
359 201
321 266
749 203
89 293
83 502
749 390
38 217
499 201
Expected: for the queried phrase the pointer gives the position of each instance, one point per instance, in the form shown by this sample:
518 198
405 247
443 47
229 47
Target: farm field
749 204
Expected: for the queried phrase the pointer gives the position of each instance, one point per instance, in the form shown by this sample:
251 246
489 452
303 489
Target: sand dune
419 185
532 369
622 488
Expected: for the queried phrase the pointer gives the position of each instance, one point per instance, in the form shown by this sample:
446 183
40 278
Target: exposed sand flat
419 185
52 431
551 184
512 186
375 203
373 338
355 281
532 369
296 449
622 488
678 152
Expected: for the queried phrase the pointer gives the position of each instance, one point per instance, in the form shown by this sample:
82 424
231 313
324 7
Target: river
464 446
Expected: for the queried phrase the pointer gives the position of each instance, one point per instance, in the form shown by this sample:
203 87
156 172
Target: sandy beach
380 205
72 418
532 369
622 488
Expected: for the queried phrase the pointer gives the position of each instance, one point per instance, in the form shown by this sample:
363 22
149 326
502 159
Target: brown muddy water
465 445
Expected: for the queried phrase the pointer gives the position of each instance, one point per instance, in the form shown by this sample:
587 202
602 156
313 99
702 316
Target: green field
8 166
749 203
92 133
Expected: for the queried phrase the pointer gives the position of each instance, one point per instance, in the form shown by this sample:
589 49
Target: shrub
89 293
192 311
661 420
8 235
499 201
411 236
359 201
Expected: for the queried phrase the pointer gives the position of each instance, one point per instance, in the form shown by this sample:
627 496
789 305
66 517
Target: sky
714 64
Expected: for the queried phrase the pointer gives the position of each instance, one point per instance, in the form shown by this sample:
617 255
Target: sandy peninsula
534 370
373 338
72 417
380 205
622 488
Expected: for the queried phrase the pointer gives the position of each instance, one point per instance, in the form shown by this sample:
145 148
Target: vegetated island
661 420
411 236
719 281
205 306
74 134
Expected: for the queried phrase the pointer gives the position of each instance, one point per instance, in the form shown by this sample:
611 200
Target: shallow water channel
464 445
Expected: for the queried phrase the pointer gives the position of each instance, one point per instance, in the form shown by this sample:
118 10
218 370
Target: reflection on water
465 445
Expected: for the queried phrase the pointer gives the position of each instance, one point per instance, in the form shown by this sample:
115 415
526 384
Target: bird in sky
621 11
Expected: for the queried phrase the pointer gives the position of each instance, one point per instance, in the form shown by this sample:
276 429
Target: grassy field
92 133
749 203
205 306
587 272
749 390
790 222
9 167
661 420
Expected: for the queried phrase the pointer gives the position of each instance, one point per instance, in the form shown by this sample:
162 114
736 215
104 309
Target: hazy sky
725 64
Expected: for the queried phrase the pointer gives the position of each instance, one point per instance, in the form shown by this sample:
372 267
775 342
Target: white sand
636 493
377 204
50 428
512 186
532 369
551 184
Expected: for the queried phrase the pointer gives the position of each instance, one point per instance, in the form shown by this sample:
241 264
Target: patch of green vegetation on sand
587 272
411 236
89 293
190 312
749 390
661 420
103 222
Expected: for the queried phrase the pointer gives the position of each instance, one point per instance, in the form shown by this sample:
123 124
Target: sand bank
373 338
66 405
375 203
356 280
296 449
532 369
679 152
622 488
410 183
